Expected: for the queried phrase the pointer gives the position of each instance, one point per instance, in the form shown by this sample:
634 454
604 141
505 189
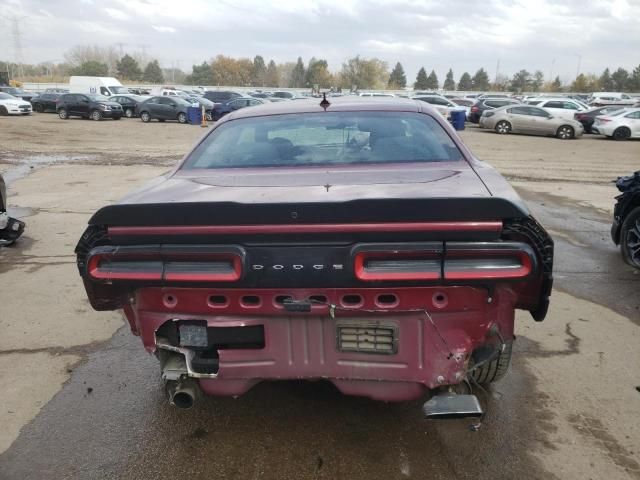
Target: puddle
20 212
26 164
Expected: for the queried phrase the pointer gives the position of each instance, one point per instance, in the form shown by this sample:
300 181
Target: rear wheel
39 108
565 132
128 113
96 115
503 127
145 117
621 133
182 118
63 114
496 369
630 238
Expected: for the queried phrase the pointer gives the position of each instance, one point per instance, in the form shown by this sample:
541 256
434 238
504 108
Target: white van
600 99
100 85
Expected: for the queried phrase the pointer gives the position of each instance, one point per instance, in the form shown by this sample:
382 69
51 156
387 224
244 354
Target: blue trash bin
457 119
194 115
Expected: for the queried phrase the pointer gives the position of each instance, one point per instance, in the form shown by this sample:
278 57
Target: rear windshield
337 138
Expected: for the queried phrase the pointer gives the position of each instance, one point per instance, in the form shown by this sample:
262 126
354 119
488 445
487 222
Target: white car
442 104
621 124
561 107
10 105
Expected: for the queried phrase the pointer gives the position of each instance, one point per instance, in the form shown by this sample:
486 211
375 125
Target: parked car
272 252
620 125
599 99
129 103
93 106
204 102
10 105
562 107
487 104
221 96
587 117
221 109
376 94
285 95
10 228
45 102
163 108
18 93
625 230
442 104
139 91
531 120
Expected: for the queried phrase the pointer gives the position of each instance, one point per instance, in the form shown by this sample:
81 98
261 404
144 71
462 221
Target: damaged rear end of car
390 279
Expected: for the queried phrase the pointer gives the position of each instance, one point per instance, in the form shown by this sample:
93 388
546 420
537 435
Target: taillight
192 263
475 108
603 119
490 261
451 261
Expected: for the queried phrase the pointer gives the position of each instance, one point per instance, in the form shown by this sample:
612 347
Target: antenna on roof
324 103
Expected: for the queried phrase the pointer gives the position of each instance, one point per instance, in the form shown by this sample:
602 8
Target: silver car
530 120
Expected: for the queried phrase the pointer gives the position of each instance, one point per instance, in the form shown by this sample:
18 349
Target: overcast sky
549 35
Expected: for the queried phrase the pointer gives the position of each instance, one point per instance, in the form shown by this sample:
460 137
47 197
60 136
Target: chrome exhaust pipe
182 393
450 405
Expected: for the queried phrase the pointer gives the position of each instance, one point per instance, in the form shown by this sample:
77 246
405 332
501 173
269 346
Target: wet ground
568 408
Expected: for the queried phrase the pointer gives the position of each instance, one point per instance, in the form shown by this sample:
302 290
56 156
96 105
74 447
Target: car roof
336 104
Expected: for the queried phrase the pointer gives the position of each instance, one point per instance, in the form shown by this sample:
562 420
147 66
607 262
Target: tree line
355 73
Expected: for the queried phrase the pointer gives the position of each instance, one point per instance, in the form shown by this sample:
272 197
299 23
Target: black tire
208 116
95 115
145 117
503 127
495 369
3 110
63 114
621 133
116 118
182 117
38 107
128 112
565 132
630 238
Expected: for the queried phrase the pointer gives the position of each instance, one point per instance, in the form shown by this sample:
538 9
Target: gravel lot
82 400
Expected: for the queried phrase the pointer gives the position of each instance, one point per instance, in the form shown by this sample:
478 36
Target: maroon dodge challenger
357 241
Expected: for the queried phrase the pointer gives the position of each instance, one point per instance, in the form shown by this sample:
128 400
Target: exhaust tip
450 405
182 394
183 400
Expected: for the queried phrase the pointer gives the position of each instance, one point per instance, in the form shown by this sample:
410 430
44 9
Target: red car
357 241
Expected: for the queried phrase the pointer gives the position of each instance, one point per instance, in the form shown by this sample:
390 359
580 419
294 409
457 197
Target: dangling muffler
451 405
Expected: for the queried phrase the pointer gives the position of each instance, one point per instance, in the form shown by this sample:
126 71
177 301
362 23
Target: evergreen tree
153 73
465 82
128 68
422 80
259 72
449 83
620 78
605 81
432 81
318 74
538 80
397 79
556 85
480 80
272 78
200 75
298 75
633 83
521 81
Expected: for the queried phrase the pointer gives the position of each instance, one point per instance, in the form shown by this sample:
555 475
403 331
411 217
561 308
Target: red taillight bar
133 263
492 226
366 274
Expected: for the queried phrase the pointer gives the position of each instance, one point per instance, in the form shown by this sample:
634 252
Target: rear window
337 138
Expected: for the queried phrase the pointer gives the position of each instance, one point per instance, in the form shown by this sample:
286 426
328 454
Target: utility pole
17 42
553 64
579 62
497 72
